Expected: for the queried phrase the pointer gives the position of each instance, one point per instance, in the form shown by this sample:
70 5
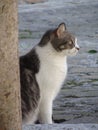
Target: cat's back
30 93
30 61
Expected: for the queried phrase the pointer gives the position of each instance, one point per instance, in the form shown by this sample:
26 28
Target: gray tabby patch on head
60 38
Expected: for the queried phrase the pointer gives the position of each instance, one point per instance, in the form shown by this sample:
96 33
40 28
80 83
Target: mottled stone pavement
77 102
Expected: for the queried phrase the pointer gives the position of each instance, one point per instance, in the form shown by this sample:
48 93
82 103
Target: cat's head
61 40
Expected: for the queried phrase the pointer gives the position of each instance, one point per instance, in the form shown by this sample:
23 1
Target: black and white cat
42 73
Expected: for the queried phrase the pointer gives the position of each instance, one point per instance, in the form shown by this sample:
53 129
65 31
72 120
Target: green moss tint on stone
92 51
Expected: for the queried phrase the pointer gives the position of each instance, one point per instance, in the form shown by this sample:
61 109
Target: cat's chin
72 52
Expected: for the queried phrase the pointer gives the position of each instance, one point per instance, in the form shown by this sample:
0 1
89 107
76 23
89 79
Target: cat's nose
77 48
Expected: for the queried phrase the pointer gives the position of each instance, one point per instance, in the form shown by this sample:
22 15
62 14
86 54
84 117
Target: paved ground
78 99
62 127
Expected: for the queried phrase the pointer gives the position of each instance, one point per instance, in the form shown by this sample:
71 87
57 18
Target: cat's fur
42 73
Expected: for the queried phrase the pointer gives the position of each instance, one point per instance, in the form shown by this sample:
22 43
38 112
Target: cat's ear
61 29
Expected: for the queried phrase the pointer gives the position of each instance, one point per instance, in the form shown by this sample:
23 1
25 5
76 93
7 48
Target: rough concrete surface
30 1
77 102
62 127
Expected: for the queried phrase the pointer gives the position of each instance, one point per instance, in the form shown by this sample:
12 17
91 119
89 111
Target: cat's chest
56 69
52 73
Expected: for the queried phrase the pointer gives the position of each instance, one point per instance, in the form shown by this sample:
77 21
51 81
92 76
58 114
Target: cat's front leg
45 111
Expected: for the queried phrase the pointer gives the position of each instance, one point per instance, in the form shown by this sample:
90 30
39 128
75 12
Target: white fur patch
76 45
53 71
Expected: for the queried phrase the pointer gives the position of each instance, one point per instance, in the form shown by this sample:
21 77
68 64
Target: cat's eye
70 43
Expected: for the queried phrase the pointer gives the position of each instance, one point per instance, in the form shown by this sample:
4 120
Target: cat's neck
48 53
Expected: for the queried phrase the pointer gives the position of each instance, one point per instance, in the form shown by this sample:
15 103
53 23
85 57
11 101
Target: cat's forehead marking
69 37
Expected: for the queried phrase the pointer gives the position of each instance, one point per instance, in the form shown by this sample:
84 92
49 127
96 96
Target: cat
42 73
